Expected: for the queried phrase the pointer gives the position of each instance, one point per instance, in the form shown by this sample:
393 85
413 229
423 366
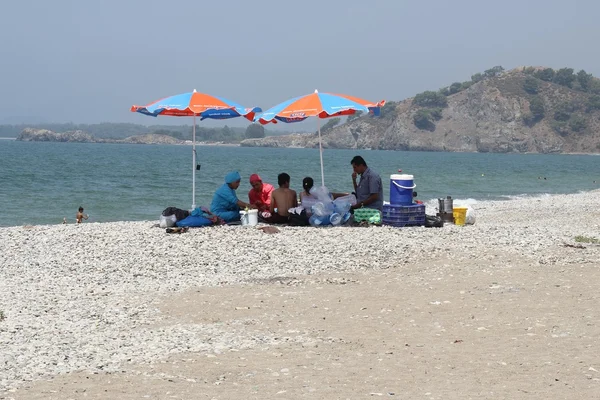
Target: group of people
273 204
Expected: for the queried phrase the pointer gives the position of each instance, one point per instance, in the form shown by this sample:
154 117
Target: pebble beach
91 306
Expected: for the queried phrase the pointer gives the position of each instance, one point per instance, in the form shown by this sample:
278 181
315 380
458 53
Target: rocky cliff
44 135
496 114
150 139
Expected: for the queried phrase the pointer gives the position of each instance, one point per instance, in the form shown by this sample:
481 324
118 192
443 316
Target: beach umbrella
194 104
321 105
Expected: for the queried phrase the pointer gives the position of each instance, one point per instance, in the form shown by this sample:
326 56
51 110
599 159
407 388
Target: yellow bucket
460 215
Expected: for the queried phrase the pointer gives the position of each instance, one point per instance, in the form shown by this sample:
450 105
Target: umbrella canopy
321 105
194 104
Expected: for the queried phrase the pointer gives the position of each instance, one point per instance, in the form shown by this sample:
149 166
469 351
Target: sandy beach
506 308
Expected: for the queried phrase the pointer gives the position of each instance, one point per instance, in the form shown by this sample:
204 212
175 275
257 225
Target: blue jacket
224 199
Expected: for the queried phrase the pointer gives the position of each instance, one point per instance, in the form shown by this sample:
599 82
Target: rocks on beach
87 297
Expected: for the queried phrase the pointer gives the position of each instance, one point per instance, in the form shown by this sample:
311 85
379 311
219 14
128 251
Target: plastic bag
470 218
322 209
300 219
321 193
349 198
433 221
167 221
342 204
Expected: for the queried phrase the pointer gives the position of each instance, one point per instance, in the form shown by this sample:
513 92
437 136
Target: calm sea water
40 183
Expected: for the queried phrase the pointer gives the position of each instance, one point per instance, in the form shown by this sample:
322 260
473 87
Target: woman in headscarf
225 203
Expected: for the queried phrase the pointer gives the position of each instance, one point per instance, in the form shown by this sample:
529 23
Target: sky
88 62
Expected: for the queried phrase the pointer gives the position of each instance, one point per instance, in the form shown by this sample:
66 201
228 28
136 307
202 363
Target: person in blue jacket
225 203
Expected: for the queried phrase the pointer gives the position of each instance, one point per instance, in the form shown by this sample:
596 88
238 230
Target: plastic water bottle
319 209
314 220
346 216
341 207
335 219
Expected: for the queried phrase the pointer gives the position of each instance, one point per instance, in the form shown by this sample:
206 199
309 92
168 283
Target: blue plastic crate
395 210
405 221
403 215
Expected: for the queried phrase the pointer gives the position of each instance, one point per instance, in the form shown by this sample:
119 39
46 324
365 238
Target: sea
45 182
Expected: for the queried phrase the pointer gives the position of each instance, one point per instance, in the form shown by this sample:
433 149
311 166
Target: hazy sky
88 62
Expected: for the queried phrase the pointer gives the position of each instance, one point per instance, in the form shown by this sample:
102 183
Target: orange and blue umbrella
321 105
194 104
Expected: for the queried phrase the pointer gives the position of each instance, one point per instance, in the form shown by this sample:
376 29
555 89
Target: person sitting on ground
307 199
369 190
79 216
225 203
307 184
260 194
283 198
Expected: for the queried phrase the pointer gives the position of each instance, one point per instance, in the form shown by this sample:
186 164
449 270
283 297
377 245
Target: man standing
369 190
260 194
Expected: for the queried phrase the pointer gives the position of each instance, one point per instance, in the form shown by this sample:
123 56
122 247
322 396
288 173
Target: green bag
370 215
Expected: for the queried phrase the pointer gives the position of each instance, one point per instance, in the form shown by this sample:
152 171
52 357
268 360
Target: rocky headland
45 135
525 110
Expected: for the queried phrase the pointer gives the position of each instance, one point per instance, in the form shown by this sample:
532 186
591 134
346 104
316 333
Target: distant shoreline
219 144
190 143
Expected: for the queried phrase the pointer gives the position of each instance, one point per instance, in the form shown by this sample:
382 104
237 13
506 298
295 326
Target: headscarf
233 176
255 178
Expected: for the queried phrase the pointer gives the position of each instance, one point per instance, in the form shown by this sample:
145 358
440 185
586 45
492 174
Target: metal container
440 206
445 205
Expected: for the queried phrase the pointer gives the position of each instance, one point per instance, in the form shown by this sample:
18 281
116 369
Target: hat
233 176
255 178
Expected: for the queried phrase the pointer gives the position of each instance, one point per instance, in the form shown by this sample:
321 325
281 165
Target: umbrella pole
194 164
321 152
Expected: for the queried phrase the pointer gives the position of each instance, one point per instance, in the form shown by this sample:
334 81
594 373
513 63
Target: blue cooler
401 189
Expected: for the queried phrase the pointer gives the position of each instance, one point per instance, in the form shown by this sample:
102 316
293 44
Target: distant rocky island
45 135
524 110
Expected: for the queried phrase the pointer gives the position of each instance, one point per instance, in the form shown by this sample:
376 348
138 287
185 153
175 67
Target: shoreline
218 144
85 305
431 207
189 143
